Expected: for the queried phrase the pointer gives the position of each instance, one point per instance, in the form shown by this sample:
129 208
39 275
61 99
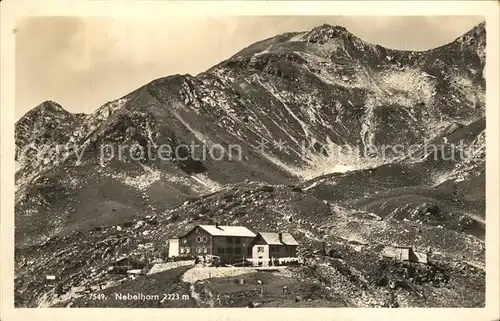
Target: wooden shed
123 264
405 254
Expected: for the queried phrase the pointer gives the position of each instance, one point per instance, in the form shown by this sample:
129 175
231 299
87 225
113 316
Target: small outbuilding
405 254
124 264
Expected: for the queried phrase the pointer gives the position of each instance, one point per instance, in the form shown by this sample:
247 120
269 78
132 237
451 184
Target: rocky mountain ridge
310 113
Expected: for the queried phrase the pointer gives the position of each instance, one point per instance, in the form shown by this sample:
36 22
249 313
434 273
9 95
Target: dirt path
199 273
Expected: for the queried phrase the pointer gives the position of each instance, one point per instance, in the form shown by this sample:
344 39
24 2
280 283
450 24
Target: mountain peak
476 34
50 105
46 107
325 32
47 123
327 26
480 27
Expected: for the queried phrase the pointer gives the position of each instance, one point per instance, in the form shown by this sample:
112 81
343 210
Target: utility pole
244 254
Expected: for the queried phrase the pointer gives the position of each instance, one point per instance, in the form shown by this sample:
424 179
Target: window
198 250
229 250
201 239
237 240
184 241
260 249
205 250
229 240
237 250
183 250
220 250
188 250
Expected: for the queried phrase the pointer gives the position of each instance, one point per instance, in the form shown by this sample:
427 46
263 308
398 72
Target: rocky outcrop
308 112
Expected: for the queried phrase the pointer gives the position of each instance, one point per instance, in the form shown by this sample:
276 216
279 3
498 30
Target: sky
82 63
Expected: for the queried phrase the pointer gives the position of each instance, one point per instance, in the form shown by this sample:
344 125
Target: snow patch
409 86
303 125
299 37
263 52
207 182
197 134
141 182
336 160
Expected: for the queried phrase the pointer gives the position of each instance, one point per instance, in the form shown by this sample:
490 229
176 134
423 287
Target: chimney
280 235
216 225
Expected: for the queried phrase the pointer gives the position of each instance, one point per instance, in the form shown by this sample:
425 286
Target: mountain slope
304 94
318 133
